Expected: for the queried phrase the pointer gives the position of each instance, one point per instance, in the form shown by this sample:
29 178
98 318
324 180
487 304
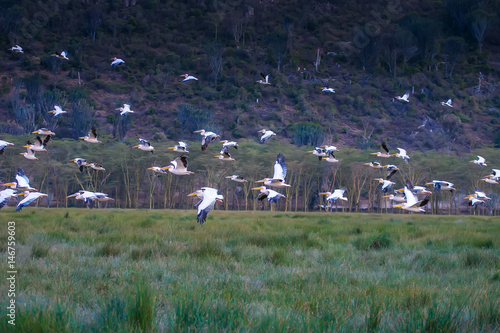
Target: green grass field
157 270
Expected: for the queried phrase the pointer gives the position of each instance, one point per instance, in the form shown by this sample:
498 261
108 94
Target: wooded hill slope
368 51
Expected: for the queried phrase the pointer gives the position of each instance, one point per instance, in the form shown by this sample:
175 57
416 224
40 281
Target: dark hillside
369 52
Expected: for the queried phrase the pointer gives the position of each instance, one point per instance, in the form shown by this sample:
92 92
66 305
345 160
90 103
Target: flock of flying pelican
410 198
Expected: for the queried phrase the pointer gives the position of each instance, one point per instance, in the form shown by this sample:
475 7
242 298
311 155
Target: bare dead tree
94 18
277 44
480 23
214 53
318 60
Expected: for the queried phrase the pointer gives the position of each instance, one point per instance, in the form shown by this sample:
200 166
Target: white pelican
89 197
337 194
403 98
4 144
412 203
57 111
272 196
64 55
328 90
331 157
188 77
81 162
116 61
180 148
157 169
179 166
29 154
227 143
320 152
266 79
207 137
442 185
22 182
391 170
237 178
96 166
16 49
386 184
278 179
480 195
490 180
224 155
5 195
198 194
266 135
39 144
447 103
210 197
475 201
398 197
125 109
421 190
145 146
30 197
481 161
329 149
385 152
375 165
44 131
91 136
495 174
402 154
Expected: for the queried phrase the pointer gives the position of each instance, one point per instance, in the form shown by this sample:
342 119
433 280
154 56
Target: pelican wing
5 195
22 179
262 195
29 199
384 147
93 133
391 173
209 197
280 167
411 199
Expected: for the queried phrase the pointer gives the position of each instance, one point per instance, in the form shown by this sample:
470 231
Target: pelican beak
9 184
135 147
260 181
379 179
398 206
228 177
72 195
192 194
257 188
385 196
431 183
20 194
223 141
373 153
401 190
284 196
199 131
323 193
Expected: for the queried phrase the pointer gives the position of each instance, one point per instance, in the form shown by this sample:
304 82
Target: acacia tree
277 45
214 53
480 23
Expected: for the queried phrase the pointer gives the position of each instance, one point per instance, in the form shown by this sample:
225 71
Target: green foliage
192 118
308 133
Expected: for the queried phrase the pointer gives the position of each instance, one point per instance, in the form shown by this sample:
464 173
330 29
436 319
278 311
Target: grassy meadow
158 270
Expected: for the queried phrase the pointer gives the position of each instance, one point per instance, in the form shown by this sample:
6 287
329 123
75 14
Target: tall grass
142 271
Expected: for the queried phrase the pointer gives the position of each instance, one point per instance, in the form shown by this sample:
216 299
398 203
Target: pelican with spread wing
209 197
278 179
179 166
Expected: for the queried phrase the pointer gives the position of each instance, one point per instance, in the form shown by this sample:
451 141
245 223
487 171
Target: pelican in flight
180 148
495 174
329 149
398 197
385 151
337 194
481 161
157 169
320 152
402 154
266 135
30 197
331 157
116 61
179 166
272 196
44 131
375 165
89 197
39 144
278 179
209 197
124 109
473 201
412 203
81 162
237 178
447 103
96 166
328 90
188 77
5 195
490 180
145 146
265 79
403 98
227 143
207 137
442 185
22 182
57 111
63 55
91 136
224 155
386 183
4 144
16 49
29 154
479 194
